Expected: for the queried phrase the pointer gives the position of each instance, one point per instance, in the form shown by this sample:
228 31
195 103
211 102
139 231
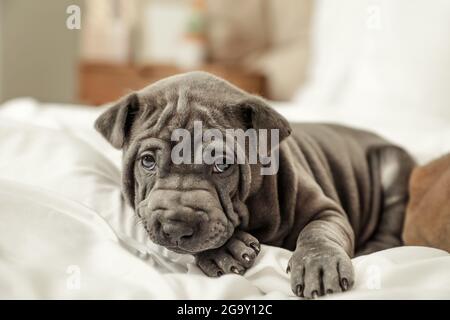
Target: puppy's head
187 206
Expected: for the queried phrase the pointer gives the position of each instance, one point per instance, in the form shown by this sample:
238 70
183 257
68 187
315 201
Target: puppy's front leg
321 261
235 256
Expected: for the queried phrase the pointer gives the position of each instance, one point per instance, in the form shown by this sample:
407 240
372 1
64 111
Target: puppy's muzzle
186 219
175 221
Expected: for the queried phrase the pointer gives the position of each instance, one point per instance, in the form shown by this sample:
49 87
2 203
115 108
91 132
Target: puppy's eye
221 167
148 162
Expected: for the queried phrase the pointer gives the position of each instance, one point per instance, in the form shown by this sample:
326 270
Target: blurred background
260 45
316 51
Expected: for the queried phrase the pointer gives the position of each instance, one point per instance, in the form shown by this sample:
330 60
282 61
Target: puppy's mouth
207 237
180 250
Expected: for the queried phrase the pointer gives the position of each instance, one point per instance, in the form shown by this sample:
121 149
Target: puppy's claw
255 247
299 290
315 294
235 270
344 283
246 257
219 273
288 269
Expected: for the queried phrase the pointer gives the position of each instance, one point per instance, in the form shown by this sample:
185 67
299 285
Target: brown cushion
427 220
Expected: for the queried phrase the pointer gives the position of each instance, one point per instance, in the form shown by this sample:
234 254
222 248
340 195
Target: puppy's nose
177 230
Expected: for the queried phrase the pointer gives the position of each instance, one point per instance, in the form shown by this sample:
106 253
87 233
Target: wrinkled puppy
337 191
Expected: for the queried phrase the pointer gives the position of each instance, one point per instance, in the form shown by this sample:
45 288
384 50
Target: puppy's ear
257 114
116 122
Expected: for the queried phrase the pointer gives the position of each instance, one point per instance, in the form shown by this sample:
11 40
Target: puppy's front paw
236 256
319 271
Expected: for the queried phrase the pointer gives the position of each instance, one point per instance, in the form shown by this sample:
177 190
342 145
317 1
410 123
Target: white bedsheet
66 233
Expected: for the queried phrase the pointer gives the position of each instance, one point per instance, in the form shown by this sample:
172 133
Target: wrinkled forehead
183 112
199 128
178 101
191 118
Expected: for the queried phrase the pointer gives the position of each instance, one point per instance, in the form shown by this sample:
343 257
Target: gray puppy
338 191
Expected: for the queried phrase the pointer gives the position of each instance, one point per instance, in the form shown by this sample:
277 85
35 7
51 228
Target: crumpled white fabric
65 231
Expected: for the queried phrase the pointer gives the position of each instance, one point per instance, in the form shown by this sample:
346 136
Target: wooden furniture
101 83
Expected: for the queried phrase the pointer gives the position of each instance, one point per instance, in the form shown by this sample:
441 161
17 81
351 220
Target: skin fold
338 191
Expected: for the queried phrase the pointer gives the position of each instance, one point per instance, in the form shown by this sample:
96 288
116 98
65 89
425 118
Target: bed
66 233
